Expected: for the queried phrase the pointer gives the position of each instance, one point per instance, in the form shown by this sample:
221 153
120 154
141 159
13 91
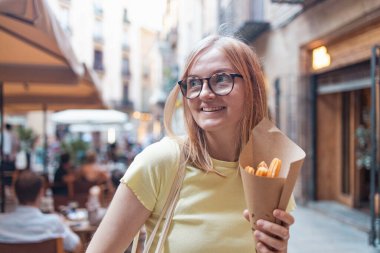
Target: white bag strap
167 211
170 211
135 242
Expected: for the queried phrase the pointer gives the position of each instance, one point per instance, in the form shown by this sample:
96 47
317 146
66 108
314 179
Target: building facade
99 33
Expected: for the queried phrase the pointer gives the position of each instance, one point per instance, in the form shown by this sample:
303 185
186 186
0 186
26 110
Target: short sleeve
151 171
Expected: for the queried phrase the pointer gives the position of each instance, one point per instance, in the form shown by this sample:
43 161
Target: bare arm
123 219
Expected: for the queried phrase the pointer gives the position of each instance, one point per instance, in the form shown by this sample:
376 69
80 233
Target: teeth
211 109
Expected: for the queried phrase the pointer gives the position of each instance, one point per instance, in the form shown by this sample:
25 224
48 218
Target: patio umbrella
35 51
34 48
91 117
23 97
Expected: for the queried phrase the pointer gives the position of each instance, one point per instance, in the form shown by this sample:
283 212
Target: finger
270 242
285 217
246 214
262 248
274 229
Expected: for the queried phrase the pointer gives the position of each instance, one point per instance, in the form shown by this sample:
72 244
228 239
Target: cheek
191 107
237 102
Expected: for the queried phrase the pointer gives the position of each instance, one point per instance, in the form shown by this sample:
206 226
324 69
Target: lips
212 109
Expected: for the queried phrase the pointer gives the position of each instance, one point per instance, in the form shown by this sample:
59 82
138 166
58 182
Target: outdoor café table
80 224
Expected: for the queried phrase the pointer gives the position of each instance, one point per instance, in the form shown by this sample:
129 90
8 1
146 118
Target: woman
223 98
91 171
64 176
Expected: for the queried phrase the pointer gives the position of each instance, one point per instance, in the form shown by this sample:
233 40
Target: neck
222 148
33 204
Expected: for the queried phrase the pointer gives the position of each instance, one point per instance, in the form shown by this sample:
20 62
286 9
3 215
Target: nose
206 92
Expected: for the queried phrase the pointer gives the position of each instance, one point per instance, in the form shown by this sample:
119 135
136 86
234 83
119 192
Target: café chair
54 245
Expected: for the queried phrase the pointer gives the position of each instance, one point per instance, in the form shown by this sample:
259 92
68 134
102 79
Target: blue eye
220 78
193 83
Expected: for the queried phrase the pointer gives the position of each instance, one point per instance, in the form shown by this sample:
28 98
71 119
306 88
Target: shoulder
52 218
162 152
151 171
165 144
49 222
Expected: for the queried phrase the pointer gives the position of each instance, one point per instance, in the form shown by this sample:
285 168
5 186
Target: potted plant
27 138
77 149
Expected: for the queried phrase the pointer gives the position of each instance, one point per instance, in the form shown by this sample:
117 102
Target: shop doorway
362 150
343 136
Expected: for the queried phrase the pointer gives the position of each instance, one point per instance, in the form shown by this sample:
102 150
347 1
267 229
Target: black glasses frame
183 89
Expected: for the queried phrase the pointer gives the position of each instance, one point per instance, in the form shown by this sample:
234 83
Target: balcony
305 3
251 24
251 30
288 1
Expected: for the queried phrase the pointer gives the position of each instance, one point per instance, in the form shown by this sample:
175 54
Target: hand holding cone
264 171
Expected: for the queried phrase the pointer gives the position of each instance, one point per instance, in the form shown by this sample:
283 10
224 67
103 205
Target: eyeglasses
220 84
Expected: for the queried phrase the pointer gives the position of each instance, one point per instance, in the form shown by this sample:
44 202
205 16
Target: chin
212 127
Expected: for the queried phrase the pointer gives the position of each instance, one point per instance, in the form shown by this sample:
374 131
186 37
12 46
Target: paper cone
264 194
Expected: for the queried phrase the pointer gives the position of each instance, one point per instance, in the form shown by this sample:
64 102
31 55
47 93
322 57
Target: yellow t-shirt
209 213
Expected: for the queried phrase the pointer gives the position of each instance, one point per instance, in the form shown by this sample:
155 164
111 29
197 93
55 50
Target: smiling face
216 115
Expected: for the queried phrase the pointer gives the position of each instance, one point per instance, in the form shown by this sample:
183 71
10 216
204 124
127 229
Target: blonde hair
245 62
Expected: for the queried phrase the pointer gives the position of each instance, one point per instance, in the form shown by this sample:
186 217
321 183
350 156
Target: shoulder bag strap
167 211
135 242
170 212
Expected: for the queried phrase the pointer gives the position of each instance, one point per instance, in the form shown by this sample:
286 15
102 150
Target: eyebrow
220 70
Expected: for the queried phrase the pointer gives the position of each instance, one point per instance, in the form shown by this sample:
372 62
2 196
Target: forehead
209 62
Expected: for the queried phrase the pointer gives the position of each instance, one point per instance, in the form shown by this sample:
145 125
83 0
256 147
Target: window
257 10
126 100
64 16
98 8
125 41
98 60
125 67
125 16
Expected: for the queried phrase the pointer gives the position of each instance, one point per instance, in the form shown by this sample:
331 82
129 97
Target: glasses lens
193 87
221 84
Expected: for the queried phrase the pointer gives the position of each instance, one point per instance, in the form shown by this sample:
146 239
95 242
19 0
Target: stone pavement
316 231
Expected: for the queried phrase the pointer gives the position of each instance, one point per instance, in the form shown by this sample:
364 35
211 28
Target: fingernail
257 234
276 213
259 223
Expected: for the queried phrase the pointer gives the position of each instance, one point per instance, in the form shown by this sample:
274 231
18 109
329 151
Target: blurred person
116 175
130 152
91 171
90 174
224 98
27 223
10 149
64 176
10 143
96 213
112 152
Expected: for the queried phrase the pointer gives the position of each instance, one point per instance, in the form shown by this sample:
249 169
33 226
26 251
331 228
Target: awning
288 1
91 117
38 67
34 48
23 97
250 30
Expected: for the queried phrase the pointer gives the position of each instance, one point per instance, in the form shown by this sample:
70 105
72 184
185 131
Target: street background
121 58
